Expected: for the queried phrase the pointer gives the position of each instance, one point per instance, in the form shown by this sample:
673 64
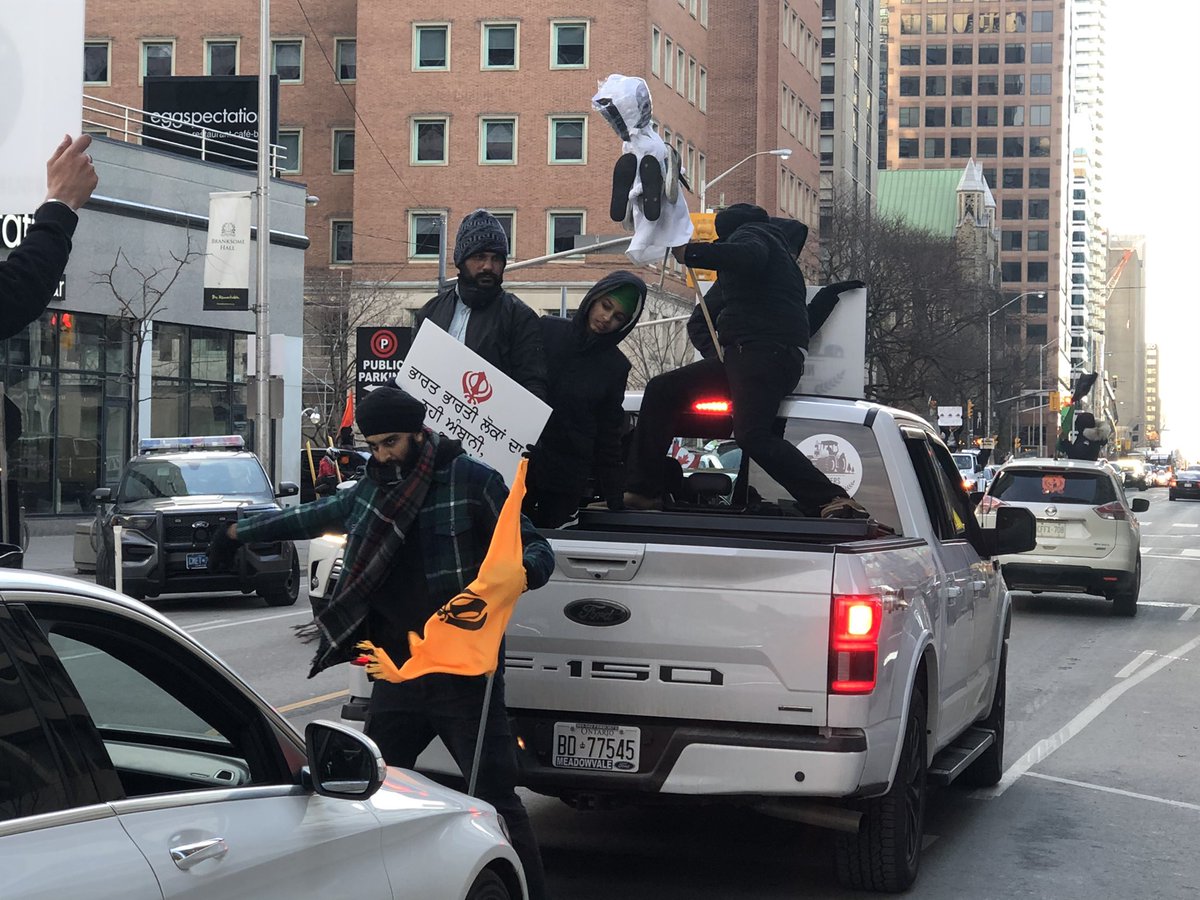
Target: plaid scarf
339 626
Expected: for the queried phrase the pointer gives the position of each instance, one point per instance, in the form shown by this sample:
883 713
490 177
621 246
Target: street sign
379 358
987 444
950 416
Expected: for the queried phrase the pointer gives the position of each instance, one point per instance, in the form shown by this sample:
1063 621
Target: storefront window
198 381
169 344
33 393
80 403
209 354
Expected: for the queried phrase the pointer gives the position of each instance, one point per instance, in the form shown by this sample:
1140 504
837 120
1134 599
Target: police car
171 499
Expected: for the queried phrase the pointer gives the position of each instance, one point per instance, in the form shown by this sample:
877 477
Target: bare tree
656 348
141 293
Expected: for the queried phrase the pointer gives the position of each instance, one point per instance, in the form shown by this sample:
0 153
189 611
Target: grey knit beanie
480 231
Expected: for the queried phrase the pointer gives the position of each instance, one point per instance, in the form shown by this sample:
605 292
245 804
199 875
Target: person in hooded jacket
478 312
763 330
587 375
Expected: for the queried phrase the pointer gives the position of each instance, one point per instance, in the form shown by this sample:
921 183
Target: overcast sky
1151 139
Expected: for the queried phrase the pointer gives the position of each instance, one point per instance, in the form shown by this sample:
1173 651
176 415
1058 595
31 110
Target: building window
908 148
1011 208
1043 21
563 228
1013 178
1036 270
569 45
986 116
341 233
988 23
1039 178
1014 53
910 116
987 85
431 46
910 55
960 117
1014 146
1079 194
963 23
668 75
1039 146
500 46
288 58
425 235
910 23
910 86
935 54
1014 84
1039 115
567 140
1014 22
989 54
985 147
935 148
429 141
935 85
691 87
935 23
288 159
655 51
960 85
1010 240
960 148
1035 333
962 55
1041 54
158 59
343 151
935 116
508 221
95 62
497 141
680 69
1010 271
345 56
1035 305
220 57
989 175
1014 115
1038 208
1039 85
1078 215
702 102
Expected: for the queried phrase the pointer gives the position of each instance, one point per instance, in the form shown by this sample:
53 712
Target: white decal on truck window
837 458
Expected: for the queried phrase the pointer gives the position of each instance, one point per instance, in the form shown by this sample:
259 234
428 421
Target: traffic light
970 409
1055 401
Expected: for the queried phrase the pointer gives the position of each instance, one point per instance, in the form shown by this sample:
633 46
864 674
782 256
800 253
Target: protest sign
835 362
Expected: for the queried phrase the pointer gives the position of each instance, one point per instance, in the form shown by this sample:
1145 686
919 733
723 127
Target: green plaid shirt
456 521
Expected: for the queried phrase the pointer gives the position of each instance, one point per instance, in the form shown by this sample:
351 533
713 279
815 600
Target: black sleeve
825 300
527 355
29 277
697 328
610 416
744 252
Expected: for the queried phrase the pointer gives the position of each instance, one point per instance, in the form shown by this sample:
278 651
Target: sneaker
844 508
642 503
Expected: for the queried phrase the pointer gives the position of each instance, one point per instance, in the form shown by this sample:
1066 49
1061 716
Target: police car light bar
206 442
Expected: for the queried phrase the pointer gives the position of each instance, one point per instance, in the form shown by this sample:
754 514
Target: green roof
923 198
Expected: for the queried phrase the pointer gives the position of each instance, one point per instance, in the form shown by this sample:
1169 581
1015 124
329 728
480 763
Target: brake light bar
854 643
713 407
1115 510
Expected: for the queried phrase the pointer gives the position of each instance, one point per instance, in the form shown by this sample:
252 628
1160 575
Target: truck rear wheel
885 854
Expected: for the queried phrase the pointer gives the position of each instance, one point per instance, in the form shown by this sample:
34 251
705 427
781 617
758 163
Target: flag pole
487 701
712 330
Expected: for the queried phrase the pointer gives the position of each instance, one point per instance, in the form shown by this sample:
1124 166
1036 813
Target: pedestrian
763 332
418 524
587 375
338 466
479 313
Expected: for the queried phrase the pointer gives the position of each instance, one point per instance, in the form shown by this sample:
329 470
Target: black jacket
504 332
30 275
761 283
588 375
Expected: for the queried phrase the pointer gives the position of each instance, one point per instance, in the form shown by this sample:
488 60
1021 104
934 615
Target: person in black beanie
478 312
418 525
763 330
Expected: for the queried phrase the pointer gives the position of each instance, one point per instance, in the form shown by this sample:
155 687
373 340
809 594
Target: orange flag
463 637
348 415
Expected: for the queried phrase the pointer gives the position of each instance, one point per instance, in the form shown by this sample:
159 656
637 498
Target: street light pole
262 330
988 392
781 152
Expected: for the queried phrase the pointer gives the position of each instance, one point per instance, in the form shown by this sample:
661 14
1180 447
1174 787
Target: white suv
1088 538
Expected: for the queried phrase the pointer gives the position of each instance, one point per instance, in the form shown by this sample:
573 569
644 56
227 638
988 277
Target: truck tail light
1114 510
714 407
988 503
854 643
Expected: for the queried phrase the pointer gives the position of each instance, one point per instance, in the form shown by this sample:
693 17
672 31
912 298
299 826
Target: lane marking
1045 747
1168 604
312 701
1180 804
1170 556
1188 613
1135 664
270 618
1189 551
1184 525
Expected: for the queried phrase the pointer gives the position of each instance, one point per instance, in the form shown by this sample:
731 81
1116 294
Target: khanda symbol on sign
476 387
467 611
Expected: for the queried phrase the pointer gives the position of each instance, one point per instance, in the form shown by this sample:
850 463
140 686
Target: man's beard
479 291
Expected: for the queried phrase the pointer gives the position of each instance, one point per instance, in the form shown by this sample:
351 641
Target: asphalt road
1101 798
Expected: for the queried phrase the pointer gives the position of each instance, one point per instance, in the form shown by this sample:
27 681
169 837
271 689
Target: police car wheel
289 591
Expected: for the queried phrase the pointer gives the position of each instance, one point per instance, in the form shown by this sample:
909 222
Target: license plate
197 560
1051 529
605 748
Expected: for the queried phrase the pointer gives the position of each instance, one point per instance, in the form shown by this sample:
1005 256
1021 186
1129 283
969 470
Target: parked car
1088 538
1185 484
136 765
171 499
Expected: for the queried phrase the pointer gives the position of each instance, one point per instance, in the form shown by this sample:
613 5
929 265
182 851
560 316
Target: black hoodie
587 375
761 285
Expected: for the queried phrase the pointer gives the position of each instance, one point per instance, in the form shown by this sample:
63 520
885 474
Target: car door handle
187 855
953 592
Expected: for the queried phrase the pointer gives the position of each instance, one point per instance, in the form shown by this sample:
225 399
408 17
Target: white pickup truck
727 648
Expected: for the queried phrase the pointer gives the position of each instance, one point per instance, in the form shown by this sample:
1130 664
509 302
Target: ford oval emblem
594 611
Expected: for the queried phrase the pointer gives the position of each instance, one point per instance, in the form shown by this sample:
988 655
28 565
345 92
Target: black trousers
404 718
756 376
549 509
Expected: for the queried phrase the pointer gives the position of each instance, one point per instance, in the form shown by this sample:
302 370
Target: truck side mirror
288 489
1015 531
102 495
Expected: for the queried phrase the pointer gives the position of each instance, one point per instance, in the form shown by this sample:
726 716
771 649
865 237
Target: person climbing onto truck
763 331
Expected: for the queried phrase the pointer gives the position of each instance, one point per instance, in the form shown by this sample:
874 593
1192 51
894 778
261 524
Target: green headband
626 296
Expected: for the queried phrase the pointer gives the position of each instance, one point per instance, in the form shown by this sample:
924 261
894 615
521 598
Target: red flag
348 415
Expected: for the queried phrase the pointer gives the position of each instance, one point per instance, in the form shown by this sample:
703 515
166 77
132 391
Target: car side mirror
102 495
1139 504
288 489
342 762
1015 531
